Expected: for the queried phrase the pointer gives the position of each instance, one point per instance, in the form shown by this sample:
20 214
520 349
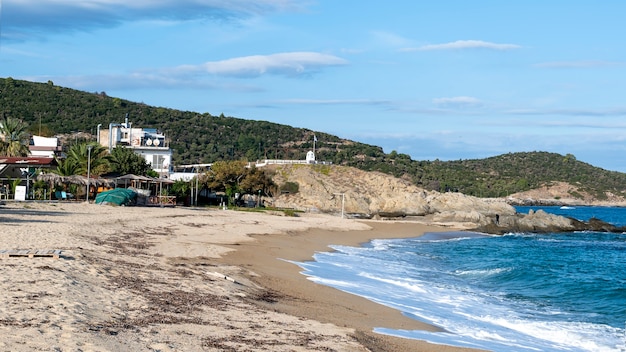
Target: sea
516 292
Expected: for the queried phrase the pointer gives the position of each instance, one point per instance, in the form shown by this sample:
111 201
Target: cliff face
374 194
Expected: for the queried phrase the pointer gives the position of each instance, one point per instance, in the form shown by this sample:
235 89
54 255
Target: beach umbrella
78 180
92 181
106 182
51 178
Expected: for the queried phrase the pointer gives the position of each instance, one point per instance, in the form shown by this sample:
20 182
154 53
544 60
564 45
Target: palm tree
125 161
66 167
13 137
80 154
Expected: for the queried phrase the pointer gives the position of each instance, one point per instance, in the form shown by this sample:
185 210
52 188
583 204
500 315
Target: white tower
310 157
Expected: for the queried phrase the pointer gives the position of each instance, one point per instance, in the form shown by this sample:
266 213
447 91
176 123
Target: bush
289 187
290 212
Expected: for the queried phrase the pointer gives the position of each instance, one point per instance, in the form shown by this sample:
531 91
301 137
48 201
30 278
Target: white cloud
388 38
190 76
619 111
336 102
464 44
579 64
287 64
458 102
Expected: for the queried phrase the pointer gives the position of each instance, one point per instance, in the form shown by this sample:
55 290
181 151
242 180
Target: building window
157 161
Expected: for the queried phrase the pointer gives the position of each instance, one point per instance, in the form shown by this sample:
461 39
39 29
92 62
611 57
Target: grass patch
290 212
322 169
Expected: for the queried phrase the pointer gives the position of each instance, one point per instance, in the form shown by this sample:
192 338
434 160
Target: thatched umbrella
77 180
89 182
52 178
92 181
106 182
55 179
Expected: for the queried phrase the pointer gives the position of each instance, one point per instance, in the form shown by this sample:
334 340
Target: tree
14 137
225 176
181 189
234 177
257 180
125 161
66 167
99 162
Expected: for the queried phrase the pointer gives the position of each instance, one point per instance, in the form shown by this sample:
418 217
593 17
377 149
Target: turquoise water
612 215
518 292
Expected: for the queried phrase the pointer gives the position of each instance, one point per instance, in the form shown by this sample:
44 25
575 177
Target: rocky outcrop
534 221
327 188
362 194
541 222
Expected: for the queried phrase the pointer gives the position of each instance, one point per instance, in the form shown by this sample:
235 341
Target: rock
326 187
366 195
541 222
471 216
393 214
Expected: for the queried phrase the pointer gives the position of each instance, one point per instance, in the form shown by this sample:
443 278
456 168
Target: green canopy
118 196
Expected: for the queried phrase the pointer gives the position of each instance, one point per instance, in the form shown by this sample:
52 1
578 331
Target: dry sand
180 279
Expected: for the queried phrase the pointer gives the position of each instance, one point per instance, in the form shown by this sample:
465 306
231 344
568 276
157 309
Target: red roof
26 160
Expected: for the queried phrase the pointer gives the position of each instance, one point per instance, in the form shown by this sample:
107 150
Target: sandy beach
182 279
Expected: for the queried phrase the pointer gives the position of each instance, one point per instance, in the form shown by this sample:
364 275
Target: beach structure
189 171
310 159
46 147
21 168
149 143
150 191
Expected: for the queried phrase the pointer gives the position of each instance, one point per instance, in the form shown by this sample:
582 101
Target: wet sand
267 259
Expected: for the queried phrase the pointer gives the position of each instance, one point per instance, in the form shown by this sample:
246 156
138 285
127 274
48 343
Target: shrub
290 212
289 187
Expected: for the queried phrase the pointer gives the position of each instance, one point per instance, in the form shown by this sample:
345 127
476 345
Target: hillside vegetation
203 138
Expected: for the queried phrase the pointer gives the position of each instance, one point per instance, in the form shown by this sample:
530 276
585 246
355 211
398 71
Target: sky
445 80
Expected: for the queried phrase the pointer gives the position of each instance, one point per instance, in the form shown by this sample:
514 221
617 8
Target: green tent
118 196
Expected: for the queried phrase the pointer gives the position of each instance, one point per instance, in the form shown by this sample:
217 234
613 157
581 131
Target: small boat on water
565 207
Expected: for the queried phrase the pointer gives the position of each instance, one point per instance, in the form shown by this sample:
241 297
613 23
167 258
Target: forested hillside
203 138
195 138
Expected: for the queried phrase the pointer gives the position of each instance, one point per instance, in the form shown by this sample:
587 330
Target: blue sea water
517 292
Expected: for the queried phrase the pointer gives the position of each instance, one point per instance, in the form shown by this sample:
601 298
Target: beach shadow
32 215
19 221
34 212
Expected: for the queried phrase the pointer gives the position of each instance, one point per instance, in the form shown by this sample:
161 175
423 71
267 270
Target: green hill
204 138
516 172
195 137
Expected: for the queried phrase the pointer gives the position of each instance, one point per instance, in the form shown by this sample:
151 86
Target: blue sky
441 80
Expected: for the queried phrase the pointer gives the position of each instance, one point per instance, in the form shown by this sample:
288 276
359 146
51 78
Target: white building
147 142
47 147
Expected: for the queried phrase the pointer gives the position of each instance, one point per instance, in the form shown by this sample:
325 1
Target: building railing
162 200
280 162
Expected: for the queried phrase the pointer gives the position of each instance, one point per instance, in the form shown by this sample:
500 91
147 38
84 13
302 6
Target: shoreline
186 279
269 258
